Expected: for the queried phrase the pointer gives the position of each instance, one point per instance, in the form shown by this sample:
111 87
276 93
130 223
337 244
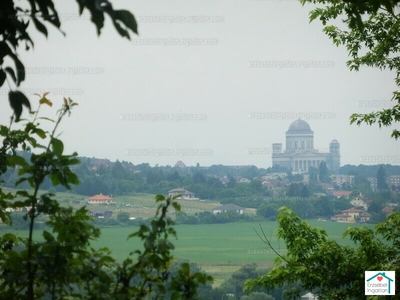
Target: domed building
300 154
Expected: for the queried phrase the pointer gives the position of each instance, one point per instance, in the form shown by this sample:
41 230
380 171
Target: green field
220 249
231 243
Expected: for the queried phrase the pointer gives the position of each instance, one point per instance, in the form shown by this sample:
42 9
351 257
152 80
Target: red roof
99 197
351 210
341 193
387 209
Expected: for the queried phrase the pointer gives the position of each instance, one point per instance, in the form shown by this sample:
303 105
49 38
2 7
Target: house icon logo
380 282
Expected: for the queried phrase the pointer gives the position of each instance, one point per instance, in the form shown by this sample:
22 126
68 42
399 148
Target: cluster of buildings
358 213
299 154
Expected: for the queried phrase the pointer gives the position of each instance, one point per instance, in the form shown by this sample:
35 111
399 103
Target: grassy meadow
220 249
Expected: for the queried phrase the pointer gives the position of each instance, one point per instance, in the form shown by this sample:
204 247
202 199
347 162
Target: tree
118 171
268 211
30 269
371 39
334 271
123 217
64 266
381 178
323 172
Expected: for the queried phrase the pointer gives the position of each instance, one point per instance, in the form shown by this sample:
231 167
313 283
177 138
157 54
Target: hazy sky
191 87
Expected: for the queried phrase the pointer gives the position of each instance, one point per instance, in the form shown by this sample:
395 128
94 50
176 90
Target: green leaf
20 69
39 26
127 19
17 100
160 198
3 77
15 160
3 130
57 146
44 118
47 236
11 73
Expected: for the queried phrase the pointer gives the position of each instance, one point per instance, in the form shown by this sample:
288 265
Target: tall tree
323 172
381 178
320 264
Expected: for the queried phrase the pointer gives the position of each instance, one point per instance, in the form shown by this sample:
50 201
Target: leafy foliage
321 265
371 39
63 264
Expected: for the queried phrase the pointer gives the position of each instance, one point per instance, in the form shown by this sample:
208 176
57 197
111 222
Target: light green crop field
220 249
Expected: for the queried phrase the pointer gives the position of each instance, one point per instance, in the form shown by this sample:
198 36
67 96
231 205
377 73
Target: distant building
244 180
393 180
388 209
360 201
101 214
100 199
228 207
373 181
339 194
309 296
342 179
352 215
300 154
185 194
179 164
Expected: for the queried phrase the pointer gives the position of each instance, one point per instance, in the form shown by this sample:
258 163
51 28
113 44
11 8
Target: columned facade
300 155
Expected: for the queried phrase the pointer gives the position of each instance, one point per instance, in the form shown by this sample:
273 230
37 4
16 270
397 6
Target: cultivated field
220 249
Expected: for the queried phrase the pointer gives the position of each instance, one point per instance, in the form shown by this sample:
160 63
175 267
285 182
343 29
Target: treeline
216 182
369 171
121 178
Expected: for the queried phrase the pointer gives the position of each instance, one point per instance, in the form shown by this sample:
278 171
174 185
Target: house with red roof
352 215
361 200
100 199
339 194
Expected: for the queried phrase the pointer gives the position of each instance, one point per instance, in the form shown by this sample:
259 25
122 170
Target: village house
352 215
228 207
100 199
339 194
388 209
185 194
360 200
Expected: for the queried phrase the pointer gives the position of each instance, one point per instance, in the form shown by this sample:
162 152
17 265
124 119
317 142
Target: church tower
334 156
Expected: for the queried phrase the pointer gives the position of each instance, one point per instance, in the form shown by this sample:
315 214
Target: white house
360 200
228 207
185 194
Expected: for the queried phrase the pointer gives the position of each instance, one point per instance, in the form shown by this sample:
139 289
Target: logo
380 282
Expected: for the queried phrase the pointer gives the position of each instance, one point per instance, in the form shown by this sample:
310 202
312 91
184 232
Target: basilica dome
299 127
